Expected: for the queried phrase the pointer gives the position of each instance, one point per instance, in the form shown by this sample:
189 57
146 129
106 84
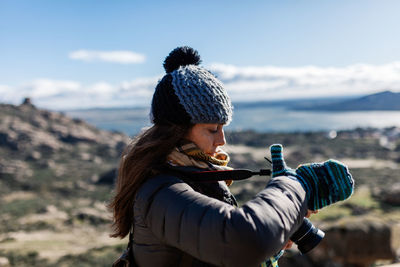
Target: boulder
18 169
108 177
391 195
33 156
4 262
7 139
92 216
357 242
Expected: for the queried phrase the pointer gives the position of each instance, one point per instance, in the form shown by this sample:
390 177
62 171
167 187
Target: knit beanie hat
188 93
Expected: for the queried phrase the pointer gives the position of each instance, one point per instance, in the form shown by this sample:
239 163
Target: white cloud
101 88
42 88
122 57
242 83
4 89
39 89
268 82
56 94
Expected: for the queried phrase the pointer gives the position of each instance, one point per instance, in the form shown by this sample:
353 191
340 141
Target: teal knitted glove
325 183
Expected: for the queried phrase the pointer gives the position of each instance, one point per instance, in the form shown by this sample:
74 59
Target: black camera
307 236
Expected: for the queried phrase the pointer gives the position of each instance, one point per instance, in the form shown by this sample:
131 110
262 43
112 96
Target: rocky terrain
57 173
52 200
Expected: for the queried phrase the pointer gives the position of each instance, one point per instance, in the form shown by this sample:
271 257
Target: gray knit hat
188 93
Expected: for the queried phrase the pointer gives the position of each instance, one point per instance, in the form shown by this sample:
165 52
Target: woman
179 222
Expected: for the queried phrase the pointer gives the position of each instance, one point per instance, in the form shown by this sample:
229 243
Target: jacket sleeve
216 232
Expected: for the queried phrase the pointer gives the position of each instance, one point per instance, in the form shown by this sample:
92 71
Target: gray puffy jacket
171 219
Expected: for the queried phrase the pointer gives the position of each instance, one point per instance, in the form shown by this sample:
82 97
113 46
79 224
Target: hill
39 147
52 198
386 100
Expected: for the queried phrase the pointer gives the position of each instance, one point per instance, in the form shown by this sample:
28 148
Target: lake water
262 119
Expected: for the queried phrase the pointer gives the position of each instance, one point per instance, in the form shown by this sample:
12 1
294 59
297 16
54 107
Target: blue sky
69 54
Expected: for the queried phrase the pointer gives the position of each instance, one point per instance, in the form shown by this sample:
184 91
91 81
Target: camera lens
307 236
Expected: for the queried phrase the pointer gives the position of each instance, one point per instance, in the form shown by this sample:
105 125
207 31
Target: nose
220 138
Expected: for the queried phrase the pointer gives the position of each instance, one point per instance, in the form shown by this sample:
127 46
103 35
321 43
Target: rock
27 101
357 242
391 195
33 156
120 147
8 141
22 136
19 169
396 240
39 122
92 216
4 262
108 177
46 164
85 156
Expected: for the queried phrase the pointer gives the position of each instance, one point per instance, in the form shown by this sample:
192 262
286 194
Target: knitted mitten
325 183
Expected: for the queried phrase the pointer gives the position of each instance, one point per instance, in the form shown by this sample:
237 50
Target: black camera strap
197 175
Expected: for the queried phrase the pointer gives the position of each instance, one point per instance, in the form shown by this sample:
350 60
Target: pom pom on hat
181 56
188 93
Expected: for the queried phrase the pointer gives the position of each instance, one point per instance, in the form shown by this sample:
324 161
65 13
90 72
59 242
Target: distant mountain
386 100
292 103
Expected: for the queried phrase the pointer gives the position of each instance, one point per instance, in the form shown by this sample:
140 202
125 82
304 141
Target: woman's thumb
278 163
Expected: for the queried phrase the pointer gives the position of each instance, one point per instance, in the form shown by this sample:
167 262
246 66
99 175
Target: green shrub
103 256
22 207
30 258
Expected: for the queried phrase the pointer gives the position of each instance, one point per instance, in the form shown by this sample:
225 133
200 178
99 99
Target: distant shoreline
259 119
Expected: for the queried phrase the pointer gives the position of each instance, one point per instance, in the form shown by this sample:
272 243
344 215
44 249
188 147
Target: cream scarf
189 154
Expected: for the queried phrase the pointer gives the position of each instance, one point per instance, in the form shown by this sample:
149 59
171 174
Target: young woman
180 222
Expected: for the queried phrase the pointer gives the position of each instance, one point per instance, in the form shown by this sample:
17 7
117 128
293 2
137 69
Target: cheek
203 140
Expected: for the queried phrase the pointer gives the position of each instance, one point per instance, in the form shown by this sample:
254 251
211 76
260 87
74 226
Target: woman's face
207 136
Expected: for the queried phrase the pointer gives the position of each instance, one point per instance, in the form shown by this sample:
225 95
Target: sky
94 53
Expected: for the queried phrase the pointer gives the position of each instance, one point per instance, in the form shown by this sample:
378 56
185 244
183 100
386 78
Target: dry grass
53 245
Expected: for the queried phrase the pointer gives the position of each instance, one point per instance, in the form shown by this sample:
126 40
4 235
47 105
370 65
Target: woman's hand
309 212
288 245
325 183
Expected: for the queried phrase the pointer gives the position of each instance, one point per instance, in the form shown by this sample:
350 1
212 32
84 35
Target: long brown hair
140 160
